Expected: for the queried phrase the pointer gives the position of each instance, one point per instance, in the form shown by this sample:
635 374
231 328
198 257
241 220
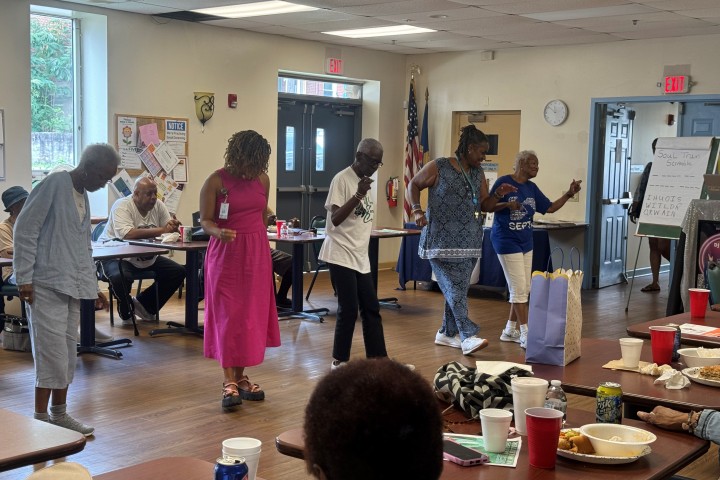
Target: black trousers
355 291
168 274
282 265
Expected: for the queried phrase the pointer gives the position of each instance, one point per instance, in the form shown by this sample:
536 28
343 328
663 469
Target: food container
691 357
613 440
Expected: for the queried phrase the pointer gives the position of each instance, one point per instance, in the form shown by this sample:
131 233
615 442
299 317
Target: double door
315 141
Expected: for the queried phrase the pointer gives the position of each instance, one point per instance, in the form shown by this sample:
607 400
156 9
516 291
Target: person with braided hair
240 315
452 231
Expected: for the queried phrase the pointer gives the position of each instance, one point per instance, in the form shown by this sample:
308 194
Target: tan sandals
250 391
231 395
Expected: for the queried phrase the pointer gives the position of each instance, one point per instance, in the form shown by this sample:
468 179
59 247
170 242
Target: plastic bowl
627 441
689 357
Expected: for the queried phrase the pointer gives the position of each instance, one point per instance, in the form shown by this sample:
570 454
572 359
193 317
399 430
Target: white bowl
689 357
627 441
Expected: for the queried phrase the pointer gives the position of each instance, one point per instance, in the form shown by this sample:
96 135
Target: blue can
231 468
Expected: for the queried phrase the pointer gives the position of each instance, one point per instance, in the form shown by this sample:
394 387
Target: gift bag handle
572 264
562 259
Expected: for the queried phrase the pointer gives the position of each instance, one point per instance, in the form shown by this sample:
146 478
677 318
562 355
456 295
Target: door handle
616 201
301 189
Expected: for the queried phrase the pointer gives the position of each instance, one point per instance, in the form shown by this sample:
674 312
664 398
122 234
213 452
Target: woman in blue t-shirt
512 237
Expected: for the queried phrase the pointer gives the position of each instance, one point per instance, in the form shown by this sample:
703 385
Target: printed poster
127 132
176 131
165 156
149 134
129 158
179 173
148 159
122 184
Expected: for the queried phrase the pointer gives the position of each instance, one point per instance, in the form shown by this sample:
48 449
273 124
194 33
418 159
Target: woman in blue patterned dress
452 231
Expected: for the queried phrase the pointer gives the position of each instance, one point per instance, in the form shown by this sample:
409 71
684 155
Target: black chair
140 276
201 271
8 290
318 221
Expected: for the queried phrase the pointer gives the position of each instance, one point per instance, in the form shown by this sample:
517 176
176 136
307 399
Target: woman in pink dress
240 314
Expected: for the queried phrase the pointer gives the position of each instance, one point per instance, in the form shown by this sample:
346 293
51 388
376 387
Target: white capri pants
54 318
518 271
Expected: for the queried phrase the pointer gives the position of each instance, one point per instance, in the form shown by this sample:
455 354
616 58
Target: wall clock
556 111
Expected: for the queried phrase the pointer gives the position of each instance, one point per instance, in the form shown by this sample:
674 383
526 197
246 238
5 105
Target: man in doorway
136 217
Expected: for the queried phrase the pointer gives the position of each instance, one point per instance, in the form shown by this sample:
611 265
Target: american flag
424 137
412 152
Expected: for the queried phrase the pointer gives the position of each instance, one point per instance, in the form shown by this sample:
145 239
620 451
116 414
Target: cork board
135 133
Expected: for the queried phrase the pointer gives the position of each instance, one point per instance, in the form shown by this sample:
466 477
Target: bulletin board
152 146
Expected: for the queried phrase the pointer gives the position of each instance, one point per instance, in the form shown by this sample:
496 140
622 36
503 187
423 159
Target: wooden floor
163 397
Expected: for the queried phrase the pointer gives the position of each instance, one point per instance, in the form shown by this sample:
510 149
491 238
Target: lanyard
472 187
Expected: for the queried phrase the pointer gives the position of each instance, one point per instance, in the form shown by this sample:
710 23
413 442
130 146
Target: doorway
316 139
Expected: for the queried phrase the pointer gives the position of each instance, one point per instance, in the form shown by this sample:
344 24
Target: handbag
555 315
15 333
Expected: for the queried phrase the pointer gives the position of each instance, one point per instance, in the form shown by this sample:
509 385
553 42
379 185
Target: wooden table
87 307
712 319
28 441
671 452
583 375
192 284
167 468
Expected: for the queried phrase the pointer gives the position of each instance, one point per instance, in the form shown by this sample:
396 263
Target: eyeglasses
374 162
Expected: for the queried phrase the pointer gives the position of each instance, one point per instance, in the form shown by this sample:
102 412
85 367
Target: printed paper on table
508 458
703 330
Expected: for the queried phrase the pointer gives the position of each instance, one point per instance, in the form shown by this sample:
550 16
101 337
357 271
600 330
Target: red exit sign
676 84
334 66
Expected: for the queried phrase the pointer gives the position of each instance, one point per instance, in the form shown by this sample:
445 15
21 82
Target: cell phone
465 456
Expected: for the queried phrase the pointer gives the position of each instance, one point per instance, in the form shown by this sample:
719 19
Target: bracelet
692 422
358 196
415 206
498 195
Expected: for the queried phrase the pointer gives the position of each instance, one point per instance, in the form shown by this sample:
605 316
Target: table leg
297 311
192 295
87 334
373 252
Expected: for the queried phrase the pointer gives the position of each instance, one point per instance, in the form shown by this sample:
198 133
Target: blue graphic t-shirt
512 229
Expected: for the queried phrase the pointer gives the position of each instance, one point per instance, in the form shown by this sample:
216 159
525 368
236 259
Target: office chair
140 276
8 290
318 221
201 272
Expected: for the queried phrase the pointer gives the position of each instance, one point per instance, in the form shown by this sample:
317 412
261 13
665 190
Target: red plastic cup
543 428
661 342
698 302
278 225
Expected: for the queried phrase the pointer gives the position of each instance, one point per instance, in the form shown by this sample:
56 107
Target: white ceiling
464 24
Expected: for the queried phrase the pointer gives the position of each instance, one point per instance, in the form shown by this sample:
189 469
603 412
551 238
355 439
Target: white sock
510 325
57 411
41 416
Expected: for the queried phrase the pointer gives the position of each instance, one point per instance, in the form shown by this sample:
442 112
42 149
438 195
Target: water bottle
284 230
555 398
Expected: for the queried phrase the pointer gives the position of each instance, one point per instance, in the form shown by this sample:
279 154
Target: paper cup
543 426
698 301
527 392
249 448
495 424
631 349
661 342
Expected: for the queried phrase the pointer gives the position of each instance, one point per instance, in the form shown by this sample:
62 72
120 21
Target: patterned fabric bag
471 390
555 316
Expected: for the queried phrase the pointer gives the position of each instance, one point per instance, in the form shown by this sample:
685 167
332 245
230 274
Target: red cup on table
278 227
661 342
698 301
543 428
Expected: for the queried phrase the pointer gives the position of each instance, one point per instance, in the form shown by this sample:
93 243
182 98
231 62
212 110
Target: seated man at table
282 265
137 217
373 418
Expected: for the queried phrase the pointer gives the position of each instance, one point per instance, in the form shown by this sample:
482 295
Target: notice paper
703 330
508 458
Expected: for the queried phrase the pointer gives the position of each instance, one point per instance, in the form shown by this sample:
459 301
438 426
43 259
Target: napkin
497 367
672 379
170 237
655 370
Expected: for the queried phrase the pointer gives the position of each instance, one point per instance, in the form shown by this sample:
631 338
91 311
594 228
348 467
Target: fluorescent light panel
257 9
380 31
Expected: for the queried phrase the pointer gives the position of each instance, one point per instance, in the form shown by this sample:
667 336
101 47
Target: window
53 93
319 149
319 88
289 149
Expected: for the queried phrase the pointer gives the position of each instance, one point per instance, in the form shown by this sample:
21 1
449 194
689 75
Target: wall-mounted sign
676 84
334 66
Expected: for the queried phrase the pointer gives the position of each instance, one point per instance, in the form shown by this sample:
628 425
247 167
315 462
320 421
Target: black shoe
283 302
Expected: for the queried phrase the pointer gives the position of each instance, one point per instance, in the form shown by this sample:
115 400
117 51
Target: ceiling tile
586 38
560 15
474 23
400 8
668 33
680 4
536 6
704 13
441 15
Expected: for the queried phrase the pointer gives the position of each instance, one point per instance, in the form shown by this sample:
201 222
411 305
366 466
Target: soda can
676 343
231 468
185 234
608 407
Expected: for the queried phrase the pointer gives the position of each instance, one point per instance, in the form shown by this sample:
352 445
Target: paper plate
600 460
693 374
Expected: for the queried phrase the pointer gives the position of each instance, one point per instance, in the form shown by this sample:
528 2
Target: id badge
224 209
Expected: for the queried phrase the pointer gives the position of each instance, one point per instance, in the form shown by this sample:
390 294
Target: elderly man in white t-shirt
136 217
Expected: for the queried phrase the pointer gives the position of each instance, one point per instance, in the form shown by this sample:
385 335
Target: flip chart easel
675 179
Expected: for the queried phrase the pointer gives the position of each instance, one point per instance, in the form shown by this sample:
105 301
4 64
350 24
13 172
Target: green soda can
608 407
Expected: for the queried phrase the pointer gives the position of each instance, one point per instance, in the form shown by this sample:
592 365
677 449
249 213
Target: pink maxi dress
240 314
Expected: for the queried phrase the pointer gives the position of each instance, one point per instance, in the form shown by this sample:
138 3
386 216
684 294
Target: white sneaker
510 335
101 337
523 339
442 339
142 313
473 344
336 364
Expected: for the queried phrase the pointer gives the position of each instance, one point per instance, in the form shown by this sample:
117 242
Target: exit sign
334 66
676 84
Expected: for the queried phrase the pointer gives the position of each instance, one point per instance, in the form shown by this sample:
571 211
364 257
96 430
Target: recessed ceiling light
380 31
257 9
